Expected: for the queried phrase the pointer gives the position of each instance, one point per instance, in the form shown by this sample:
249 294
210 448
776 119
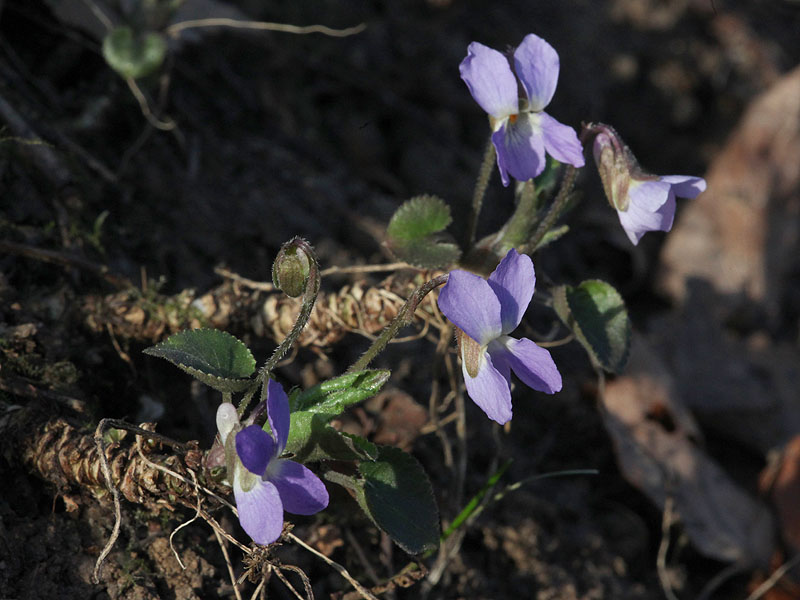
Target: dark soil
281 135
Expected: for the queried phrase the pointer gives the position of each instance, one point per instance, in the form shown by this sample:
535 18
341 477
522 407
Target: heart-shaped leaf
416 233
596 314
419 217
426 253
134 54
397 496
214 357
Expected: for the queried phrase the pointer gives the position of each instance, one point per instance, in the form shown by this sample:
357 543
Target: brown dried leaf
782 481
746 219
653 438
400 418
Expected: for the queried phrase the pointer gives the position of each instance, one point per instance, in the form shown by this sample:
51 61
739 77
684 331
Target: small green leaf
418 218
311 439
340 392
397 496
426 253
546 182
133 54
214 357
367 449
596 313
310 436
552 235
416 233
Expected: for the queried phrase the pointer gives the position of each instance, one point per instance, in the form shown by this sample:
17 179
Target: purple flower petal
490 389
651 207
260 511
469 302
530 362
537 64
302 492
686 186
490 80
561 141
520 148
278 414
227 419
513 282
255 448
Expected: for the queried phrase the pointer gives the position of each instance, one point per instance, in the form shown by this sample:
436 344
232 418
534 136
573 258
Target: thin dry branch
176 28
365 593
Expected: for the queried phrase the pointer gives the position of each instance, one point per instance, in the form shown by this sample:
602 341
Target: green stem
556 208
482 183
475 501
248 395
518 228
403 318
309 298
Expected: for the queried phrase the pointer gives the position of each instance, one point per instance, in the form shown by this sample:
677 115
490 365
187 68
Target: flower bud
291 269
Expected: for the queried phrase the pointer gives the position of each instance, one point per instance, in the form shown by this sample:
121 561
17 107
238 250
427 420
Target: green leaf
426 254
367 449
310 436
416 233
214 357
418 218
552 235
397 496
596 313
546 182
334 395
132 54
311 439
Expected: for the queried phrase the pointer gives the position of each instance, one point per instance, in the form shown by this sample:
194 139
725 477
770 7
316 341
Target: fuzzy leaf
596 313
134 55
418 218
416 233
214 357
310 436
397 496
426 253
342 391
552 235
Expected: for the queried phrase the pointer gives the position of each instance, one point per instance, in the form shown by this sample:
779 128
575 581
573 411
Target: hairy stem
518 228
556 208
403 318
482 183
309 297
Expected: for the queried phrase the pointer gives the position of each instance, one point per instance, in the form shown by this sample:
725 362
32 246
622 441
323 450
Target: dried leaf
653 438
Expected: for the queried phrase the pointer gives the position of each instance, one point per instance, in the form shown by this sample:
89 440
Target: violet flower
485 313
265 485
522 131
643 202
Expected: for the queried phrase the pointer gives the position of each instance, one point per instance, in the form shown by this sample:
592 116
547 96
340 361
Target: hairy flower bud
291 269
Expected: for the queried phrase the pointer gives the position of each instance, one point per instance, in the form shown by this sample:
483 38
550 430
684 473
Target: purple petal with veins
537 65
